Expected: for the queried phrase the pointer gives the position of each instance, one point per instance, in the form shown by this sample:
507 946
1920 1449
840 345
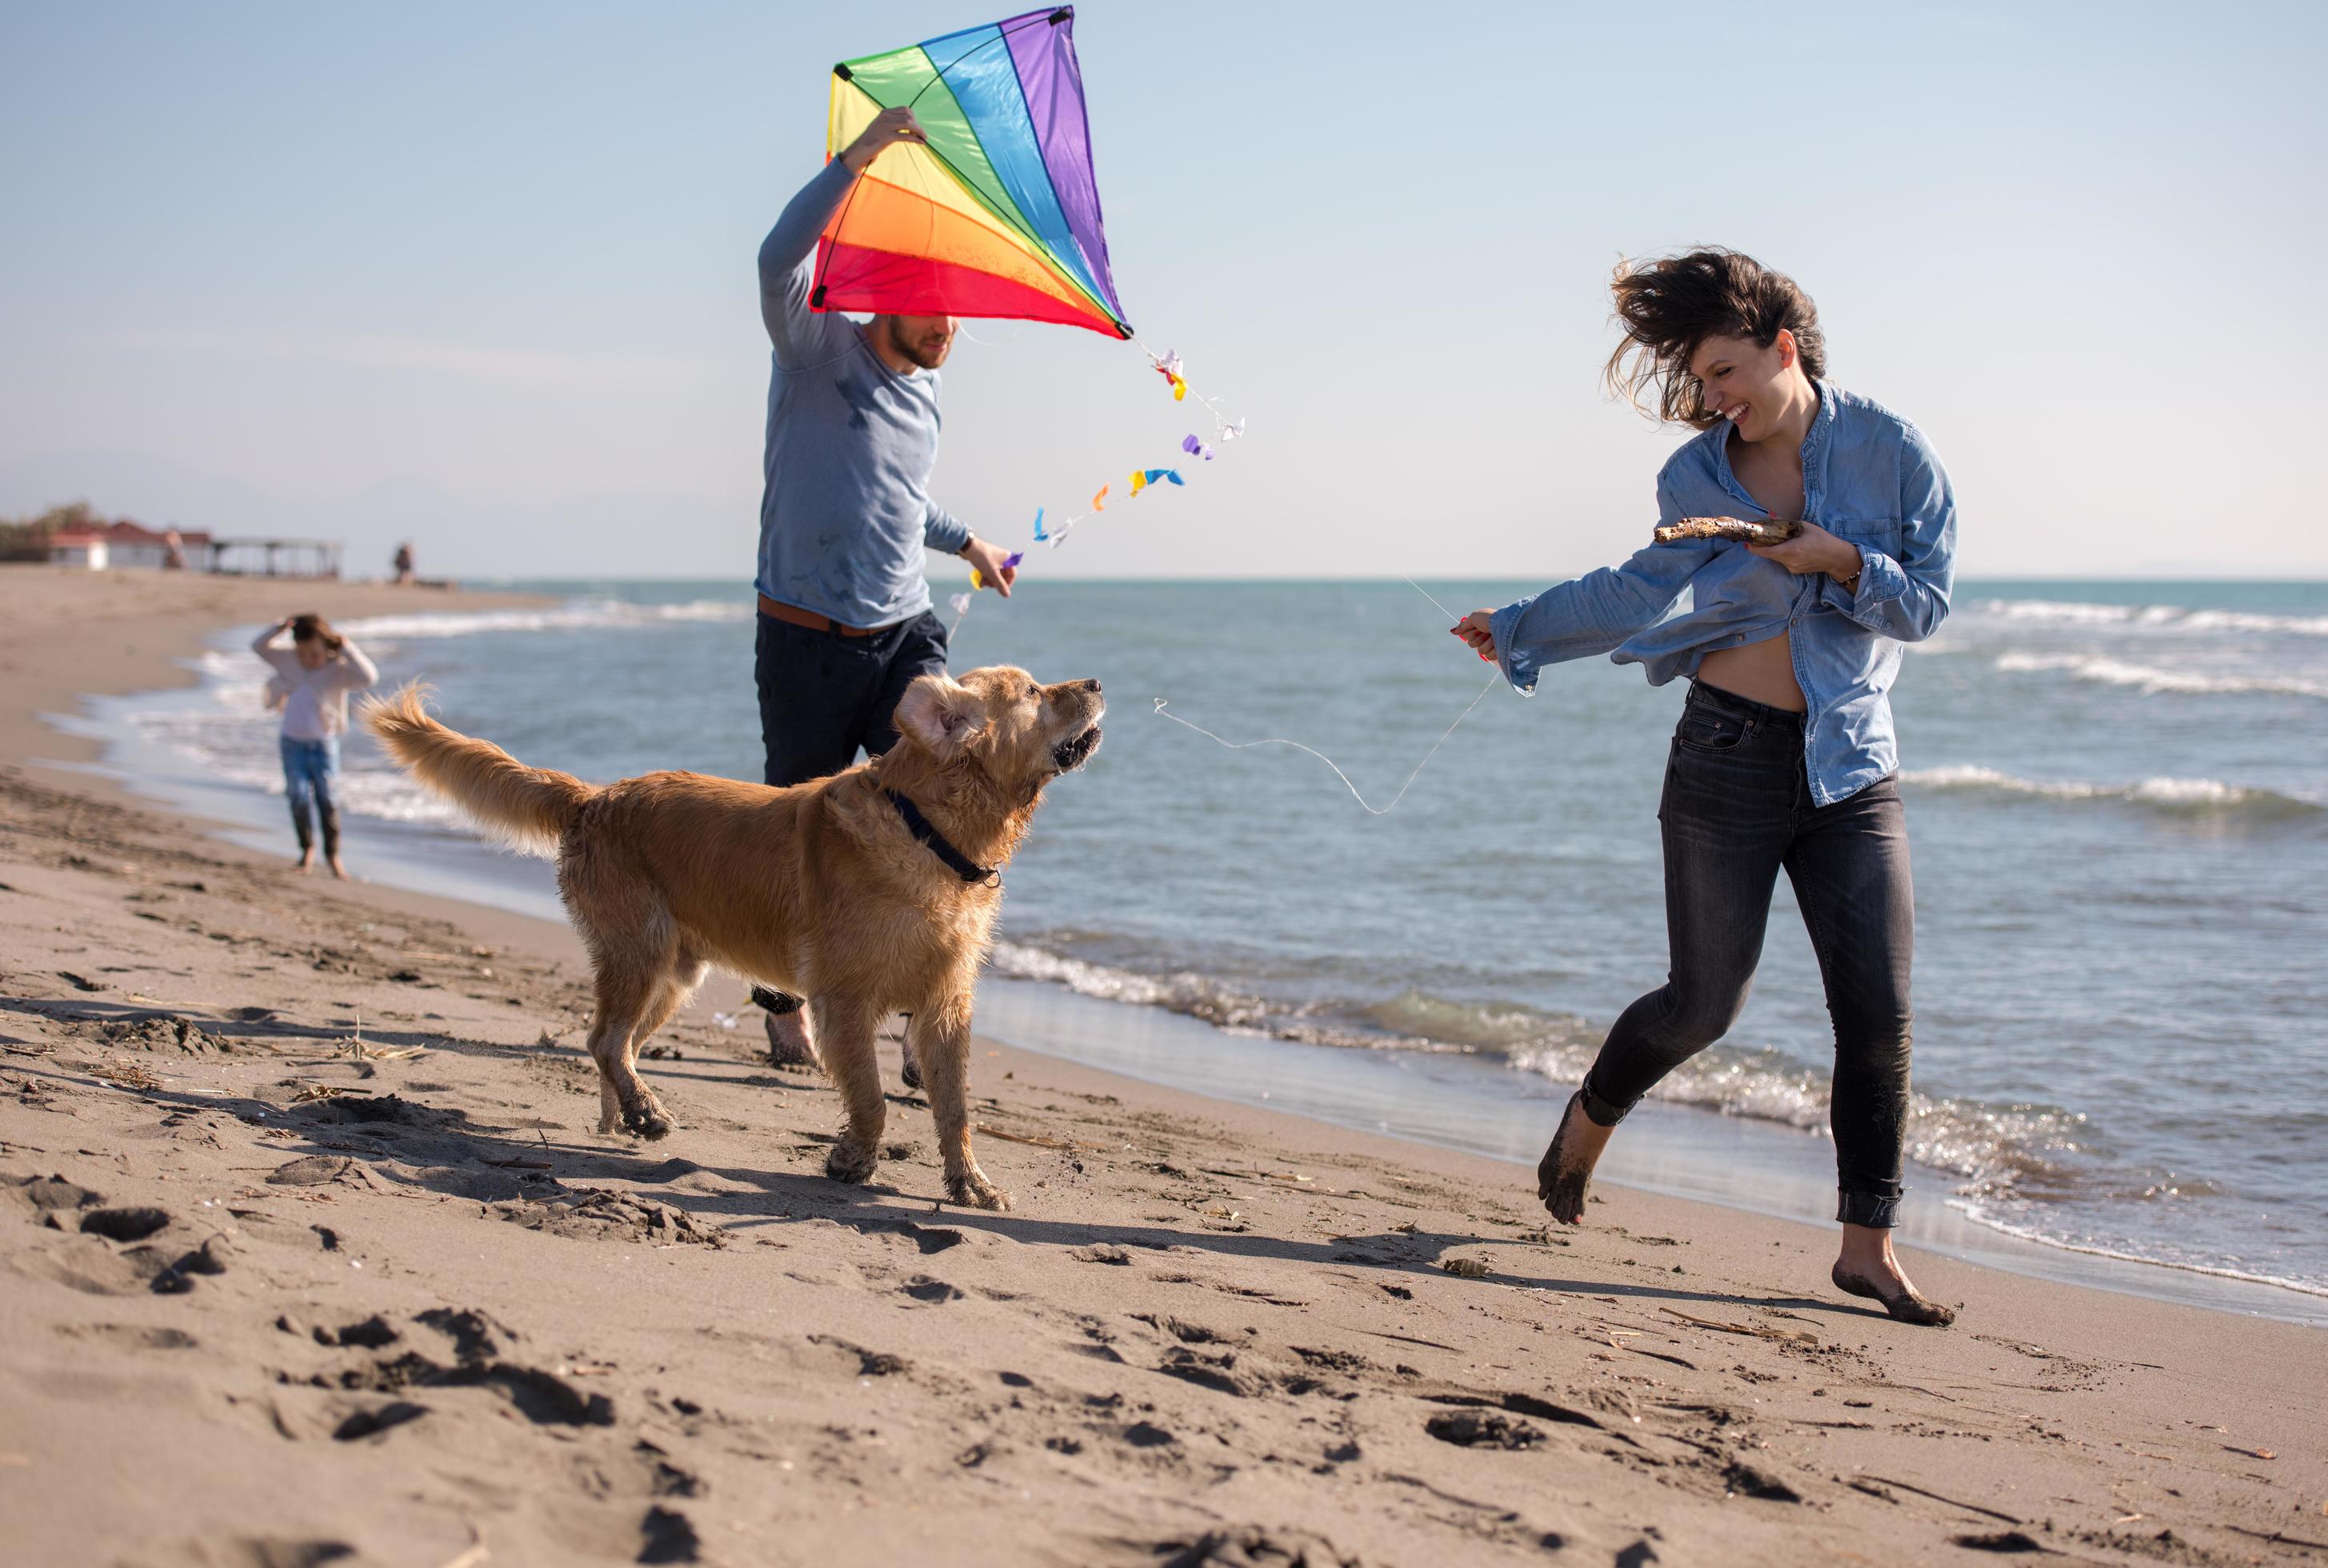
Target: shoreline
1681 1151
1203 1321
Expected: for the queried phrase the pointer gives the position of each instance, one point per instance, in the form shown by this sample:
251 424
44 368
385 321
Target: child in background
312 678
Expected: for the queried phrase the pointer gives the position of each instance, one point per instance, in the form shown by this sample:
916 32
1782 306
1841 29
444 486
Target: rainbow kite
998 215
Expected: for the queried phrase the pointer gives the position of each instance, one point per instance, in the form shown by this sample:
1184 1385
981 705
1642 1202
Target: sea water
2117 804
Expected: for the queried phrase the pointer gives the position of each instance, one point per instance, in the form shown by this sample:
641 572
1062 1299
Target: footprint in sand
123 1225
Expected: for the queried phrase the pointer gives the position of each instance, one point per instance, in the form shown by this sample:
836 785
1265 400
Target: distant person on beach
312 680
1785 754
404 563
845 624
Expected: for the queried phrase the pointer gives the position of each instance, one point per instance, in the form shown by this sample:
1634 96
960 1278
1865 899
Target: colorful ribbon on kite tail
1168 365
1225 430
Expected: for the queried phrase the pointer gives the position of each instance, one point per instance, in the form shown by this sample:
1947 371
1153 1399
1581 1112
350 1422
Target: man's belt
795 616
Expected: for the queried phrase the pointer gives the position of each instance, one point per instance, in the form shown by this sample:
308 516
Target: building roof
127 532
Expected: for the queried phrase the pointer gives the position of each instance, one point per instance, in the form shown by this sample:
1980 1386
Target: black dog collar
960 864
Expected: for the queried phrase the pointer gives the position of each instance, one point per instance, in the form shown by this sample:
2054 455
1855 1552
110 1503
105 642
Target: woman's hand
1814 550
1478 629
890 127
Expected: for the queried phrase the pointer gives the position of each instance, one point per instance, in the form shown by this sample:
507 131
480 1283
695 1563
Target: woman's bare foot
307 862
1869 1268
337 870
1564 1175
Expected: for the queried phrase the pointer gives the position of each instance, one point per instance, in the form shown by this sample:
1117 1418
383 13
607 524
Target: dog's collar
960 864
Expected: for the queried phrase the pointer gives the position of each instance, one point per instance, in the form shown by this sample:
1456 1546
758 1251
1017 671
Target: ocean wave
2007 1217
582 613
1991 1148
1200 996
2169 618
2152 682
2181 797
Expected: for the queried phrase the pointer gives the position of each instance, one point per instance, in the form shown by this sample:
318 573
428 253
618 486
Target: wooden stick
1938 1497
1751 1330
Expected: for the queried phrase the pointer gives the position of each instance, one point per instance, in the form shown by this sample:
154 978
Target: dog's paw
647 1119
910 1071
850 1163
973 1190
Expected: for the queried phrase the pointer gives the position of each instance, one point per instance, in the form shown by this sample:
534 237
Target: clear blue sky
483 275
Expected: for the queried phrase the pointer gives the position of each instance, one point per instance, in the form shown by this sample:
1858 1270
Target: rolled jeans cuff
1873 1209
1601 1112
776 1003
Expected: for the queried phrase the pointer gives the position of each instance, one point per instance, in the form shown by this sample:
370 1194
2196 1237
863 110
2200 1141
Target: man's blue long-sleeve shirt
1870 479
850 444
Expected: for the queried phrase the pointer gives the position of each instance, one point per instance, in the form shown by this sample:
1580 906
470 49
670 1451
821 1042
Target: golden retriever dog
870 892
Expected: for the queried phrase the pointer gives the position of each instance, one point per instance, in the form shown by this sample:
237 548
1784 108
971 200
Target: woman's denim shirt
1870 478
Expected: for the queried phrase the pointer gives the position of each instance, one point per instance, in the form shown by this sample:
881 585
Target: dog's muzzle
1071 755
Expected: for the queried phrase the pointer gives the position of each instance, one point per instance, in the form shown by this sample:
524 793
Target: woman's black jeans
1738 807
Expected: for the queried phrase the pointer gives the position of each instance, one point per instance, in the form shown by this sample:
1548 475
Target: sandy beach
309 1254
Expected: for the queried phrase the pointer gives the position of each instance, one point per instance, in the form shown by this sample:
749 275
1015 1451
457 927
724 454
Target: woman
312 680
1785 754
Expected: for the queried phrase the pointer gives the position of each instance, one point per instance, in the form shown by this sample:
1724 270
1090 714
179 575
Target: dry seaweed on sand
323 1092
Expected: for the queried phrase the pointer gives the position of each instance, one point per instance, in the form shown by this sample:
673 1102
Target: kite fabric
999 214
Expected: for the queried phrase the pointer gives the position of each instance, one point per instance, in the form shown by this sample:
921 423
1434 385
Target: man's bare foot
1869 1268
1564 1176
307 862
790 1043
337 870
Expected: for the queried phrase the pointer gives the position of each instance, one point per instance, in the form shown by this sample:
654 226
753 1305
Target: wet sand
309 1253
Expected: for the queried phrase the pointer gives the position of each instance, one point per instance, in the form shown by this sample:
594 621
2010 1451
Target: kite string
1381 811
1372 810
1435 605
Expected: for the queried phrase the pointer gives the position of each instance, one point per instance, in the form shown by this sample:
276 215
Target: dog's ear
940 713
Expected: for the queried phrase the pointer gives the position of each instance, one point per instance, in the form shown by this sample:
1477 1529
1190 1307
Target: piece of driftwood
1767 531
1755 1330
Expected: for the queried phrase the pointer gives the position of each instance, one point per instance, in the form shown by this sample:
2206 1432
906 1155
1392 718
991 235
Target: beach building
126 544
80 547
94 547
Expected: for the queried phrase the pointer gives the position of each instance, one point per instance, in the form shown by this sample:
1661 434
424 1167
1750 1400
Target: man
845 624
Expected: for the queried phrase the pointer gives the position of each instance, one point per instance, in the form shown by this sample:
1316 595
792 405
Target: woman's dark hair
1671 306
313 628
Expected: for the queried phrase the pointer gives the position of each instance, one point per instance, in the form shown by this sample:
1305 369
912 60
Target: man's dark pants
825 694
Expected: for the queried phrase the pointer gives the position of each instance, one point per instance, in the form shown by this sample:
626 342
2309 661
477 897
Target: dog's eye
1034 694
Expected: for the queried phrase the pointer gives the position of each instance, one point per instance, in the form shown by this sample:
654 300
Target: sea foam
2152 681
2167 618
2171 796
581 614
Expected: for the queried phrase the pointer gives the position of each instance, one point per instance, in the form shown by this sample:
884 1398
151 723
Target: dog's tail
528 808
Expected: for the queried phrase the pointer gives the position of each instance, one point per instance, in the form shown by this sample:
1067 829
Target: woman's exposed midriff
1759 672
